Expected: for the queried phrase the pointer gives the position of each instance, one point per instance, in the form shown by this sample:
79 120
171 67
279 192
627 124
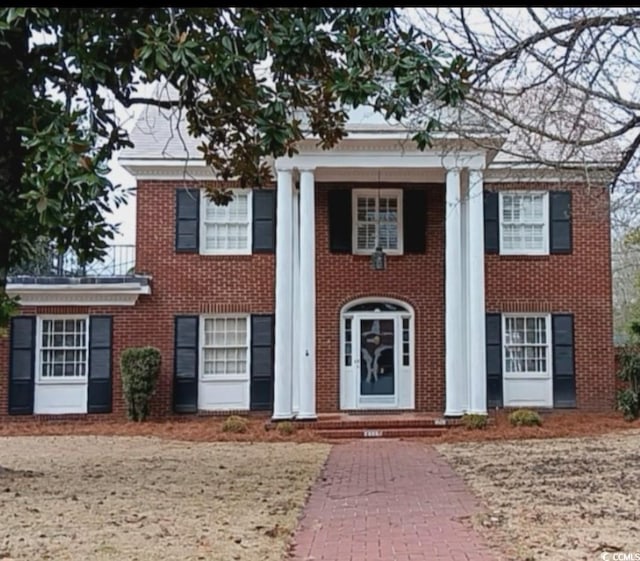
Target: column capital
284 168
307 169
477 169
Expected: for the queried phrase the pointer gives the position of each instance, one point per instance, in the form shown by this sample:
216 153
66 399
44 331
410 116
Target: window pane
525 345
225 346
366 236
227 227
63 348
377 222
523 222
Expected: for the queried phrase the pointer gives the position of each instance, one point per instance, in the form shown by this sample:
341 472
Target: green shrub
286 428
233 423
140 369
474 421
524 418
628 399
628 403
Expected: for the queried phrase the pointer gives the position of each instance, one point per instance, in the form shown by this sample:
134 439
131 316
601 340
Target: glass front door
377 341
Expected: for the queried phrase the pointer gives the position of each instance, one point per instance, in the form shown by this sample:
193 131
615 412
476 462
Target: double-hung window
63 349
225 347
377 220
526 341
226 230
524 223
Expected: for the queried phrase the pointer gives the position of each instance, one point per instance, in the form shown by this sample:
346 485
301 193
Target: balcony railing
119 260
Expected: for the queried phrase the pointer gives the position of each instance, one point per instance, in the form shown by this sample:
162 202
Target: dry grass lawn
556 499
136 498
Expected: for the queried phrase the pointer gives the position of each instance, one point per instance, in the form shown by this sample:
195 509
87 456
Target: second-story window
377 220
524 223
226 230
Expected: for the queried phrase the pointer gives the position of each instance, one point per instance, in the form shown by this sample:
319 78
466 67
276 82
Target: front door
376 360
376 355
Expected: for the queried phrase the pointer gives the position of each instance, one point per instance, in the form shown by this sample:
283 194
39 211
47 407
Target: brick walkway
388 500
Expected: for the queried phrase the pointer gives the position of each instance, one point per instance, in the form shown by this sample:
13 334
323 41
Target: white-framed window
377 220
62 349
226 230
225 347
526 340
524 222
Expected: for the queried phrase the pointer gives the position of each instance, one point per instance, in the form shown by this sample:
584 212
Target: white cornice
125 294
158 170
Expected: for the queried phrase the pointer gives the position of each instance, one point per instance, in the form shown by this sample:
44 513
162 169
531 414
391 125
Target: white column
463 390
282 405
296 354
307 296
475 295
453 294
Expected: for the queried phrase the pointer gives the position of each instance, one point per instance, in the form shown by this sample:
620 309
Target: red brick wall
128 331
189 283
182 283
578 283
416 279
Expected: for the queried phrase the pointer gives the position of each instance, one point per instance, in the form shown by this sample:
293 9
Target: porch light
378 259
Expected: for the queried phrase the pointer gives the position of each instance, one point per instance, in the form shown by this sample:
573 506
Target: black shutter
100 380
185 364
564 380
264 220
494 360
187 217
22 365
261 362
560 227
414 214
491 223
340 221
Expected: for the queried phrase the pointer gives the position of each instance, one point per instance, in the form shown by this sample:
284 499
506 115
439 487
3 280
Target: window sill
526 376
368 254
225 378
62 382
226 256
523 256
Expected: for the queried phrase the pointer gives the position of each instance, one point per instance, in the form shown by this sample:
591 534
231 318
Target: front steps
395 425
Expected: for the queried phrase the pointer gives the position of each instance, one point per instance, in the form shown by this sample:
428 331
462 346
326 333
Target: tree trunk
14 110
15 107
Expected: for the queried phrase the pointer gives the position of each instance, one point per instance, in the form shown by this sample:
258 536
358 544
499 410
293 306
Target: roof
161 134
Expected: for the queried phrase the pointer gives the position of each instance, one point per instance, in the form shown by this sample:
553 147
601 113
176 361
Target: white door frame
350 356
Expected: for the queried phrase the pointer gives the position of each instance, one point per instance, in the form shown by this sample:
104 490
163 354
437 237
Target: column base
453 413
477 412
282 417
306 417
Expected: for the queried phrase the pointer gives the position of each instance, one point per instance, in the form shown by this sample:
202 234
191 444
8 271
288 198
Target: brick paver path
388 500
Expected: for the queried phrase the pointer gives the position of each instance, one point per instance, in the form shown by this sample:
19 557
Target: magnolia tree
563 85
64 68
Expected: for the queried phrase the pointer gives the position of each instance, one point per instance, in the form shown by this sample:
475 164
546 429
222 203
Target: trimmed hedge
140 368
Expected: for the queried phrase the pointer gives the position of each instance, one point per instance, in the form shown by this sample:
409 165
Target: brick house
492 287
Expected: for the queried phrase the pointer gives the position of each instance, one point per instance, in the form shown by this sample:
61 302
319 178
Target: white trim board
123 294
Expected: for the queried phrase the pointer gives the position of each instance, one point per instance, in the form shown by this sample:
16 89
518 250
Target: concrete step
385 432
382 422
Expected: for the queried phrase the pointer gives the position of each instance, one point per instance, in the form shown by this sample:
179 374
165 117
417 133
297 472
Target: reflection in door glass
377 367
